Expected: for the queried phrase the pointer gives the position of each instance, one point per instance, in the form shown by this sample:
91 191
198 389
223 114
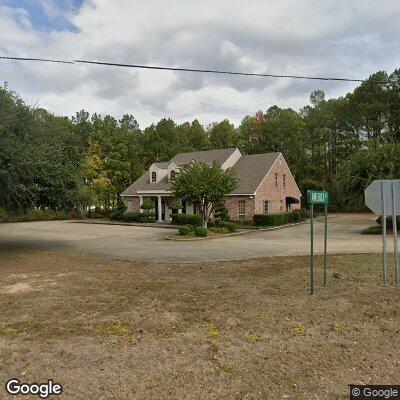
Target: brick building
265 184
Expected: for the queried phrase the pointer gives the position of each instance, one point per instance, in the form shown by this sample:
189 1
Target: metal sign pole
325 242
384 262
312 250
394 225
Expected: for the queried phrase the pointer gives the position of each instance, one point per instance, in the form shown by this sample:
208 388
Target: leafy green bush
148 217
219 229
186 230
243 222
118 211
221 213
231 226
148 204
211 223
3 215
175 204
276 219
186 219
98 213
139 217
45 215
200 231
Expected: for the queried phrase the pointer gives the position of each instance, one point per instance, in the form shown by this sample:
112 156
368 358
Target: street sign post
317 197
382 196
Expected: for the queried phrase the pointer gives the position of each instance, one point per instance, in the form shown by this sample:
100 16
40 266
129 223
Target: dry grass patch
109 329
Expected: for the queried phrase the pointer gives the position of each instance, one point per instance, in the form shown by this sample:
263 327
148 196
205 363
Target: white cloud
330 38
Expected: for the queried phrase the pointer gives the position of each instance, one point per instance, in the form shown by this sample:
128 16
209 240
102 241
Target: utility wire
209 71
36 59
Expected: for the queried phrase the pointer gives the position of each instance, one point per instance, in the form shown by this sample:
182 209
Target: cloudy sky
307 37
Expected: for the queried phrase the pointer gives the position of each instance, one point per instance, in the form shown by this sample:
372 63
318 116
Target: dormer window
154 176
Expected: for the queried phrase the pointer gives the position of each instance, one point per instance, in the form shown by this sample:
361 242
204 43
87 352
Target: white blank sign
373 196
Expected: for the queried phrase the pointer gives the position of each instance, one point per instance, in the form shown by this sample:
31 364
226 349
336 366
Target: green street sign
316 197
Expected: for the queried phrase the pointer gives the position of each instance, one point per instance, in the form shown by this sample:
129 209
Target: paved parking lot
149 244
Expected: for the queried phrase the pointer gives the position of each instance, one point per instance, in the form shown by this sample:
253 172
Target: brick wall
274 194
132 203
232 205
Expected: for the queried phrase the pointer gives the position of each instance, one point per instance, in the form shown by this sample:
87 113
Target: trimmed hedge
186 219
186 230
218 229
39 215
231 226
200 231
139 217
276 219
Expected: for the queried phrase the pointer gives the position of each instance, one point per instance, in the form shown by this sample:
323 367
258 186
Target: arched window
173 173
154 176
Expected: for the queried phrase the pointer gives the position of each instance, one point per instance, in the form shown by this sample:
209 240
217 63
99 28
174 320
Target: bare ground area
109 329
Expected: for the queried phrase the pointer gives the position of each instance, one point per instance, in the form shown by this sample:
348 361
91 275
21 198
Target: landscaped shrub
73 214
231 226
3 215
221 213
98 213
186 230
45 215
148 217
40 215
148 204
200 231
186 219
139 217
219 229
275 219
211 223
243 222
118 211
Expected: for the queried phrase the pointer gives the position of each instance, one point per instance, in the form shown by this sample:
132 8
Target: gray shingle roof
209 156
251 170
162 164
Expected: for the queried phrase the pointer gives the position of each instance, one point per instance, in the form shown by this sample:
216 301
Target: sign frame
322 198
381 197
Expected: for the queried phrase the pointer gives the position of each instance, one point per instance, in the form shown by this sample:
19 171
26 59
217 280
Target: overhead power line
36 59
208 71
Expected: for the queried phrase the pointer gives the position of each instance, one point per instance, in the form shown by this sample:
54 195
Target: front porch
162 205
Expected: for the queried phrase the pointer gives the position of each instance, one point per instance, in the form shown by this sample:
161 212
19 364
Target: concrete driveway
149 244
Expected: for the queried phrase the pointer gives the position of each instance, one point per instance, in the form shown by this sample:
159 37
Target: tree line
62 163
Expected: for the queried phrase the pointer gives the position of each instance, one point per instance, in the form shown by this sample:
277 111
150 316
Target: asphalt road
149 244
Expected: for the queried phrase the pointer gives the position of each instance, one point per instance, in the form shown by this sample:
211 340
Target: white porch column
159 209
180 211
140 203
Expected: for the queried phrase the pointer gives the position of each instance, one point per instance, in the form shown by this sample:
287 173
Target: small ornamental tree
148 204
205 185
175 204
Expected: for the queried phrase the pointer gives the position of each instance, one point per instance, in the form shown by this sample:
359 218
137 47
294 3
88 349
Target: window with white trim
266 207
154 176
242 209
